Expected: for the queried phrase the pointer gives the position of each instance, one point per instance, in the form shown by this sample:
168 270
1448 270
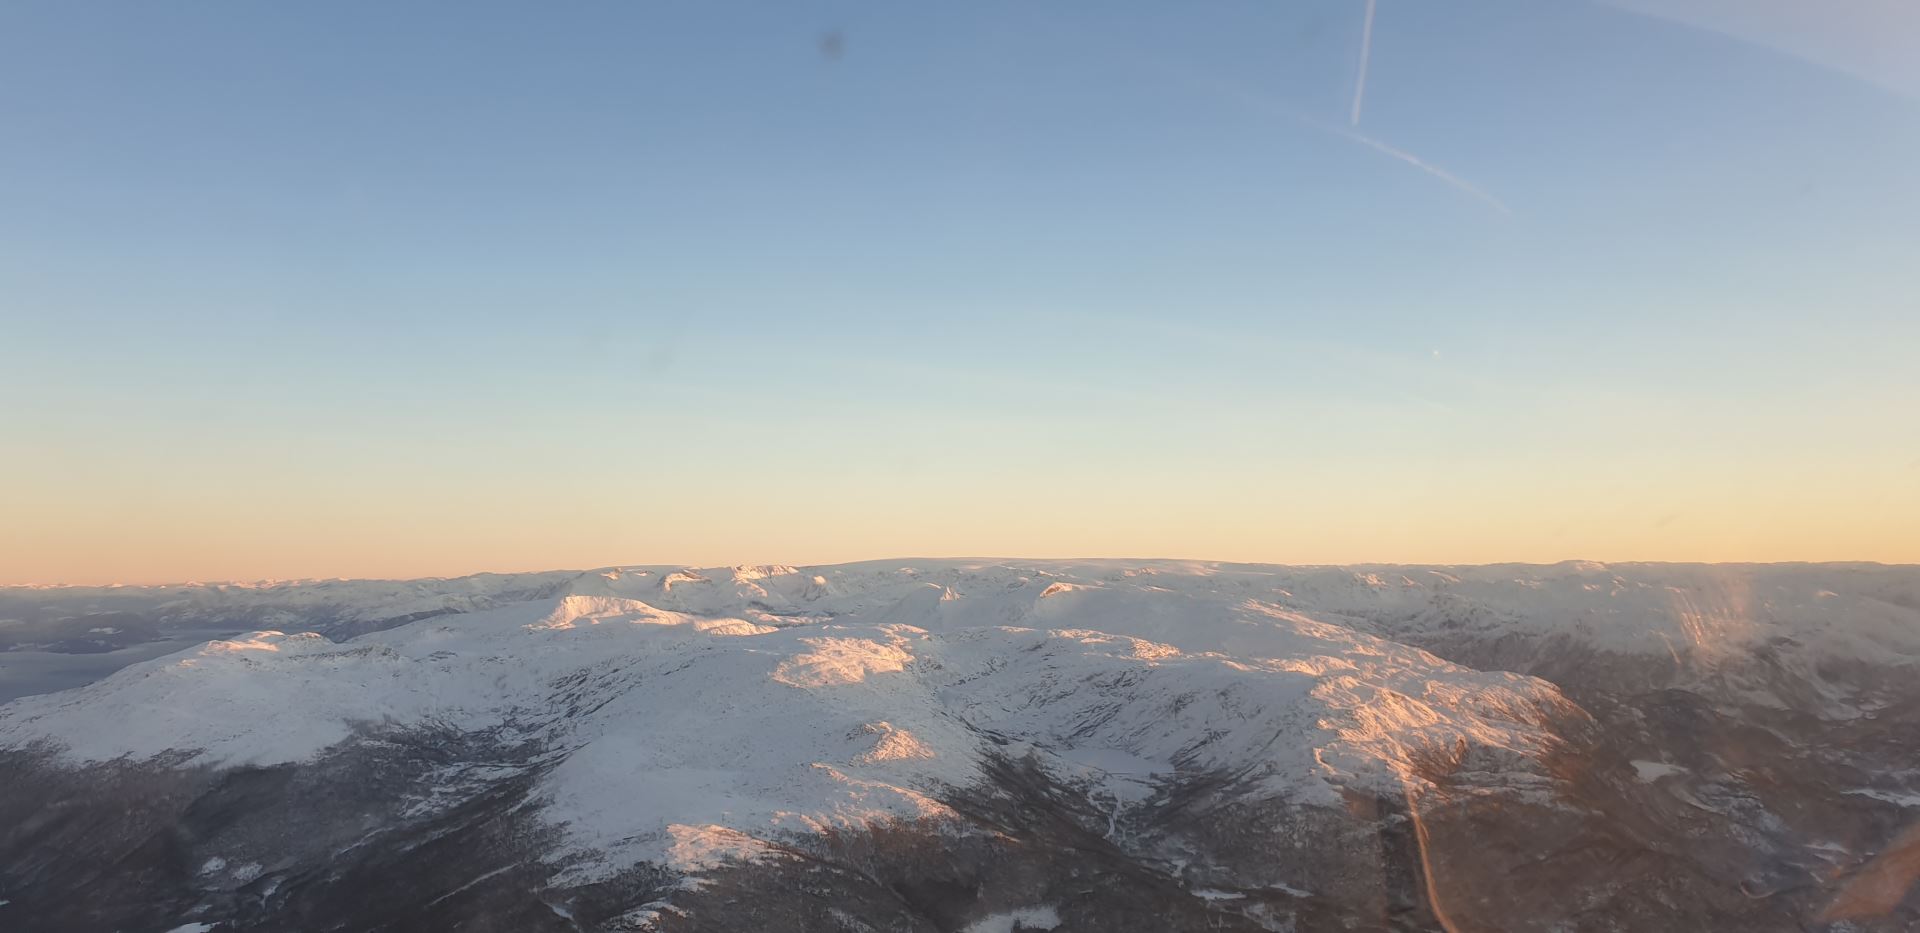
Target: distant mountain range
978 745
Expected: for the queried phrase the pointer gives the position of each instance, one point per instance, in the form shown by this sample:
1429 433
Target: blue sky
670 282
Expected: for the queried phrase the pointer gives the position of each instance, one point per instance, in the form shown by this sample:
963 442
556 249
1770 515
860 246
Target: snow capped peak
745 573
682 578
762 701
733 724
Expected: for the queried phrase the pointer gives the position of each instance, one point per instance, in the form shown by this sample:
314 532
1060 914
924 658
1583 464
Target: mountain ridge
709 726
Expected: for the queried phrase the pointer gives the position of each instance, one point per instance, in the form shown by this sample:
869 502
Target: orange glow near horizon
245 532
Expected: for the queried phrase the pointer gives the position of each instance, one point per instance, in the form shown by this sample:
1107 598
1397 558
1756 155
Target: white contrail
1276 108
1425 166
1298 116
1206 81
1366 52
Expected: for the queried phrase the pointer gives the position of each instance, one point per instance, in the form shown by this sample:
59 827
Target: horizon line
263 582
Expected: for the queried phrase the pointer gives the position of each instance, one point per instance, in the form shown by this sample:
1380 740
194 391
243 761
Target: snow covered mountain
979 745
53 637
